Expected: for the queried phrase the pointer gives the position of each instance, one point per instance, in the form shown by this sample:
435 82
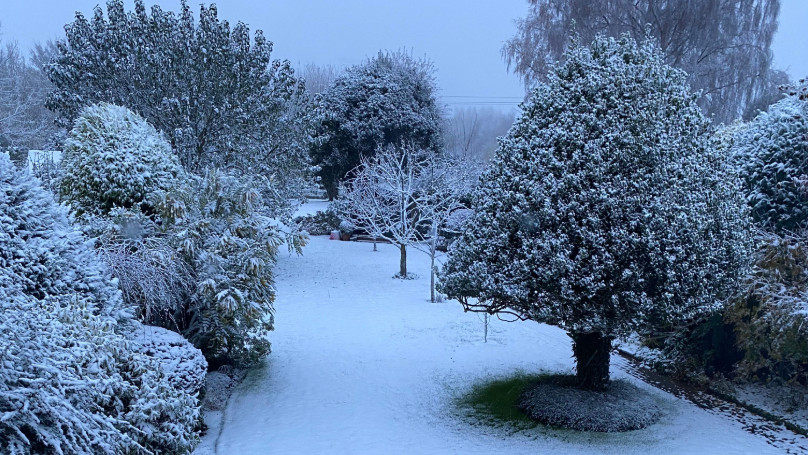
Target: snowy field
365 364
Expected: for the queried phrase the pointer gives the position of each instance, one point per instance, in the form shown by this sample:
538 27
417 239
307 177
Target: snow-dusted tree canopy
389 99
211 88
773 152
115 159
69 381
606 209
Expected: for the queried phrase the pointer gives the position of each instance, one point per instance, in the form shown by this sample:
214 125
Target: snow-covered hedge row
773 151
114 158
70 381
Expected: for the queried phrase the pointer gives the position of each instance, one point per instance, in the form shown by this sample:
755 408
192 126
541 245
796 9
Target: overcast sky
462 37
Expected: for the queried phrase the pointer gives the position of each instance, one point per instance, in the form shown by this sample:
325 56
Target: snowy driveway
365 364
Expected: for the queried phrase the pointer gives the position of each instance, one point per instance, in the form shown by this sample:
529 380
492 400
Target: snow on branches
606 210
403 195
70 382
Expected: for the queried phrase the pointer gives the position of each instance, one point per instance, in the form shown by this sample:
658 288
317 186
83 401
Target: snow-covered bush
606 209
69 380
48 256
210 86
773 151
389 99
152 275
320 223
183 365
771 317
216 222
113 158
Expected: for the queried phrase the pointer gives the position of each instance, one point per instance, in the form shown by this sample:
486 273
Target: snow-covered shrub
773 151
771 318
69 380
606 209
183 365
217 223
48 256
58 367
320 223
165 417
153 276
114 158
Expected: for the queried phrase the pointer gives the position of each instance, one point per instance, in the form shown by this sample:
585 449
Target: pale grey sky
462 37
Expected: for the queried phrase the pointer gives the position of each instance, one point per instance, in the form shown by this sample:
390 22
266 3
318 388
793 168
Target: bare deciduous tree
25 123
471 133
724 45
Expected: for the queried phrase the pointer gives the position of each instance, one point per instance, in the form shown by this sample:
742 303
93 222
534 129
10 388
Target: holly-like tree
606 210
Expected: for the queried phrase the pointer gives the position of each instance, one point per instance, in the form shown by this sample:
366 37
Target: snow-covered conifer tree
114 159
773 152
606 210
390 99
210 87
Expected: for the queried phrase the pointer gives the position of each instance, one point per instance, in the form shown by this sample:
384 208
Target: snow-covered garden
202 254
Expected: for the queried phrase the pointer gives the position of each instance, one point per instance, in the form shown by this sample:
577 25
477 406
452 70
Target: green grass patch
494 401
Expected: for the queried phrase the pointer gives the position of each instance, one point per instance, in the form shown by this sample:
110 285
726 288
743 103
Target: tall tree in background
724 45
389 99
25 123
471 133
212 89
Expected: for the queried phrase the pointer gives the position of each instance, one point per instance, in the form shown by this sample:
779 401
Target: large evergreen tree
389 99
606 209
211 88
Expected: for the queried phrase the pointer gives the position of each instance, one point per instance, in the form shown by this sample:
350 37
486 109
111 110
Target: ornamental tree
389 99
773 152
606 210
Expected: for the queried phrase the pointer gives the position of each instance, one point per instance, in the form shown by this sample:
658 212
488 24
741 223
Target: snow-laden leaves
217 222
70 382
212 89
606 209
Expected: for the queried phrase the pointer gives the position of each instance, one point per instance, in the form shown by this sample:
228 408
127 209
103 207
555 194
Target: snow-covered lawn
365 364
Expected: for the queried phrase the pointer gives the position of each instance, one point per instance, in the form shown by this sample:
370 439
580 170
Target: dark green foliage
390 99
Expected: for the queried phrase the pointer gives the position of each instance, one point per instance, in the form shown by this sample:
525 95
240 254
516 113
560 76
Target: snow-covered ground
365 364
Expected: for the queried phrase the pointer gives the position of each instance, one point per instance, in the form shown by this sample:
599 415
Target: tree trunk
332 190
432 277
592 351
403 266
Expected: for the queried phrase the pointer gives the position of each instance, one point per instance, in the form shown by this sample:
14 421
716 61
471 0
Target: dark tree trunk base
592 351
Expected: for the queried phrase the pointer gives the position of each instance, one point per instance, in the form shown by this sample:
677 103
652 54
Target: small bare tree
406 196
385 195
445 182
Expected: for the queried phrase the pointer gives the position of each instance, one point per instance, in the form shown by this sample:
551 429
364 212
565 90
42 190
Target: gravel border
623 407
